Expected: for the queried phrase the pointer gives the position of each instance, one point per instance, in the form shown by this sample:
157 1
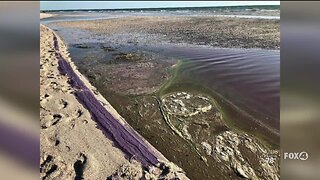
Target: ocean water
260 12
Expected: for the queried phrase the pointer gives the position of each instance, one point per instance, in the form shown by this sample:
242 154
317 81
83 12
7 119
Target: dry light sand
46 15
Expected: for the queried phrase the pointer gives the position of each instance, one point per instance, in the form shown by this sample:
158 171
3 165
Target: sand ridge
66 127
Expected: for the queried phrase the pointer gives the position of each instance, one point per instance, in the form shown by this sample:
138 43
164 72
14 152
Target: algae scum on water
177 115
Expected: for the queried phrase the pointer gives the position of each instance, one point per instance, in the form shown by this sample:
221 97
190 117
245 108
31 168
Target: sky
64 5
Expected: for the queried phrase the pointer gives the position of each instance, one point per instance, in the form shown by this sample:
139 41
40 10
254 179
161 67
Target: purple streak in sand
126 138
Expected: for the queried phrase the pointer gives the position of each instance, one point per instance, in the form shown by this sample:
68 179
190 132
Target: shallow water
246 81
248 78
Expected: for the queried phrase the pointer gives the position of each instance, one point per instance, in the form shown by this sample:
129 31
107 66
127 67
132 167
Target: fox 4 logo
296 156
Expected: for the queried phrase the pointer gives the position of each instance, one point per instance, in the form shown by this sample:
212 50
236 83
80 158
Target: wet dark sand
212 31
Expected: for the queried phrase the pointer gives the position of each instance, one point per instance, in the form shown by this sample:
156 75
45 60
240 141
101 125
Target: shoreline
61 53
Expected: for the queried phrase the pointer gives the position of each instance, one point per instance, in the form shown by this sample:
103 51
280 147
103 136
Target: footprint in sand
79 113
55 119
44 98
63 104
53 84
79 166
47 167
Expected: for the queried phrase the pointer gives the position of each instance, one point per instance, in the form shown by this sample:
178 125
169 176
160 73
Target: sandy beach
71 144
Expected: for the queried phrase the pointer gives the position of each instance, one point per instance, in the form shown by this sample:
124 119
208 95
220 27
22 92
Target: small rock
207 147
240 172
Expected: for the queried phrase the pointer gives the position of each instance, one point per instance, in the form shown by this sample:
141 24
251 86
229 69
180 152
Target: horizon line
137 8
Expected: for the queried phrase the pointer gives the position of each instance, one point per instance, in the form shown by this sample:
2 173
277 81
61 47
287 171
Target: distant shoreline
46 15
271 7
